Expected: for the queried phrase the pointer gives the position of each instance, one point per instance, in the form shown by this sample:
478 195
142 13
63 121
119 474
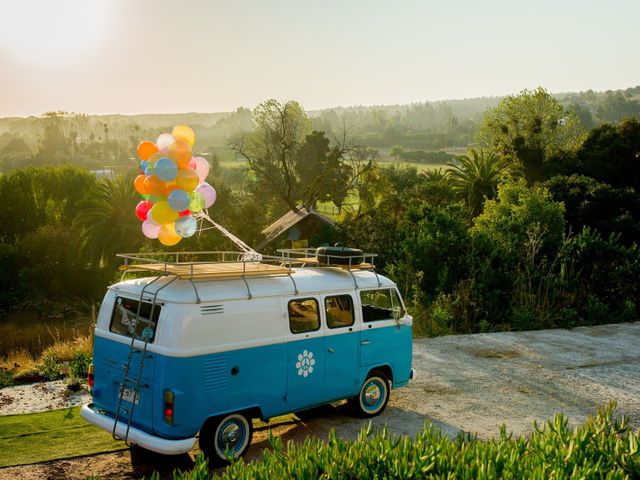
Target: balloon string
249 254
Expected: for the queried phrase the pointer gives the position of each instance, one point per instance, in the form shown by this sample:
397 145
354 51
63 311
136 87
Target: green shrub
79 364
51 366
603 447
6 378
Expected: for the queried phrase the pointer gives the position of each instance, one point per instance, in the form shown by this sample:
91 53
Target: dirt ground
470 383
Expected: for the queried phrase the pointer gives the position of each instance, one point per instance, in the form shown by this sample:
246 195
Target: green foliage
6 378
598 206
531 127
79 364
603 447
293 164
107 222
607 289
476 176
51 365
610 154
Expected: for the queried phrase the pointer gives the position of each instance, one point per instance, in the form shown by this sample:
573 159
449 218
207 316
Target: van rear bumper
137 436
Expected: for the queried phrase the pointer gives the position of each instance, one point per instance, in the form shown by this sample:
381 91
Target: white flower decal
305 363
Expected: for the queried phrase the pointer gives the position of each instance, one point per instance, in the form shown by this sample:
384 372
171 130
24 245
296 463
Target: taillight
168 406
90 379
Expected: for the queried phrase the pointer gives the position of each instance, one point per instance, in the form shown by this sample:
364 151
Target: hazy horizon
116 57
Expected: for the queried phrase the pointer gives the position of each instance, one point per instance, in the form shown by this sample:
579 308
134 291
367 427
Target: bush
79 364
6 378
603 447
51 366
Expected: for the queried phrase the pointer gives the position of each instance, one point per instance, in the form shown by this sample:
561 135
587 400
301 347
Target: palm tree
436 175
476 176
108 223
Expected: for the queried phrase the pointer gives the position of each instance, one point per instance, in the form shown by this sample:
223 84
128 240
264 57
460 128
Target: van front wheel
225 437
373 396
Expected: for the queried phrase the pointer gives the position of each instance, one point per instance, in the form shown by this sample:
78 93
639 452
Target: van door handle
331 350
365 342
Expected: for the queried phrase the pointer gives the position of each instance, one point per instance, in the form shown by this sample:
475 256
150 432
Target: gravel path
469 383
40 397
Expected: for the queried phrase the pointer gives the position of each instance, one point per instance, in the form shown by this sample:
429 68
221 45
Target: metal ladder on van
131 381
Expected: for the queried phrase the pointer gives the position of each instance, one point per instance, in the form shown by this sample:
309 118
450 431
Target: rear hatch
110 364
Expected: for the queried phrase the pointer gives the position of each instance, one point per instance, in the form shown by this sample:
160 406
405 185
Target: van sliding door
305 354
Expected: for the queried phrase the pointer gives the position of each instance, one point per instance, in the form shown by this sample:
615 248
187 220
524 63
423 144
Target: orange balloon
154 186
167 234
187 179
146 149
184 133
180 152
140 186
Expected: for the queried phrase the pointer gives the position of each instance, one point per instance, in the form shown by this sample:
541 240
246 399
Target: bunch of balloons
173 187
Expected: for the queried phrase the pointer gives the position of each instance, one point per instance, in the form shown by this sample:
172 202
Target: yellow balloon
187 180
185 133
167 234
162 213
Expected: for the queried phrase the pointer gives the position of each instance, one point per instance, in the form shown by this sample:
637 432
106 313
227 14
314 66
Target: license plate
130 396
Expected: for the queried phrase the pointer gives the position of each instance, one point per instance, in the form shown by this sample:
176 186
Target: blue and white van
201 349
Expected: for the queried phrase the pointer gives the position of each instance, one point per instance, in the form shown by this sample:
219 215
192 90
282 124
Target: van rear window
125 322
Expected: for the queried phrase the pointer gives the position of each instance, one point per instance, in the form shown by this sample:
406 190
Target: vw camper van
203 343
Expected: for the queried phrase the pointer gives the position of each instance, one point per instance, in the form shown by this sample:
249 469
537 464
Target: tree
598 205
531 127
107 222
476 177
611 154
293 164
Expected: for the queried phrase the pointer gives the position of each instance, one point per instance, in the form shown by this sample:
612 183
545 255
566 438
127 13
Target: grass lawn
38 437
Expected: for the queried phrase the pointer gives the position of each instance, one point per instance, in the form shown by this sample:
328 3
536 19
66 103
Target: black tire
227 434
373 396
339 255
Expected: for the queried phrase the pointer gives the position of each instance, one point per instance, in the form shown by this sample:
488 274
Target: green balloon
145 196
197 202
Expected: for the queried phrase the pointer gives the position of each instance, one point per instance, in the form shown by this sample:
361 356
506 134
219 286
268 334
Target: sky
161 56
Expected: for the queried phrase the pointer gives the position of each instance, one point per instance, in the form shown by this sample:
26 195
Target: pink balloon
150 230
201 166
209 194
150 219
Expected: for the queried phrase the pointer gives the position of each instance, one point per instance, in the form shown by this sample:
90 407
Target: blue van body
229 353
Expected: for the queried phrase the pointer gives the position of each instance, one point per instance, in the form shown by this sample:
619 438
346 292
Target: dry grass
66 349
18 361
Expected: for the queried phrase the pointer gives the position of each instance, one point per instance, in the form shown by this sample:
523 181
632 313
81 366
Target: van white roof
307 280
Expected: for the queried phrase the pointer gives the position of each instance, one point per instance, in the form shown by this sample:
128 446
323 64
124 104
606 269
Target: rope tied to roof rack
248 253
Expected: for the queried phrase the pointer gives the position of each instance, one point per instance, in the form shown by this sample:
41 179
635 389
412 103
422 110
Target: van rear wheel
373 396
225 438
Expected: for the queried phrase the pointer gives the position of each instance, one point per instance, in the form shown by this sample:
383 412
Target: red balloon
142 209
185 213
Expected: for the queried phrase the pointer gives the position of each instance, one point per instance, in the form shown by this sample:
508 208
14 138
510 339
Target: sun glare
46 32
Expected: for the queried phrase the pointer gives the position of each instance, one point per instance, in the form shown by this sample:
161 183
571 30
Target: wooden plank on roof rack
211 270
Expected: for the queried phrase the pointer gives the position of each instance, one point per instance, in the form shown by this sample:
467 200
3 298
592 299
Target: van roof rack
218 265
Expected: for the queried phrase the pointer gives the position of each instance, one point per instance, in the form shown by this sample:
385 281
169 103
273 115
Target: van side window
124 321
381 304
339 310
303 315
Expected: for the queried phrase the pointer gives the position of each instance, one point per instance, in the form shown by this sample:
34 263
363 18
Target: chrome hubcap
231 436
372 394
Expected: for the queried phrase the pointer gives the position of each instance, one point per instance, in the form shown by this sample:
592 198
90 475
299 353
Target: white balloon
165 140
